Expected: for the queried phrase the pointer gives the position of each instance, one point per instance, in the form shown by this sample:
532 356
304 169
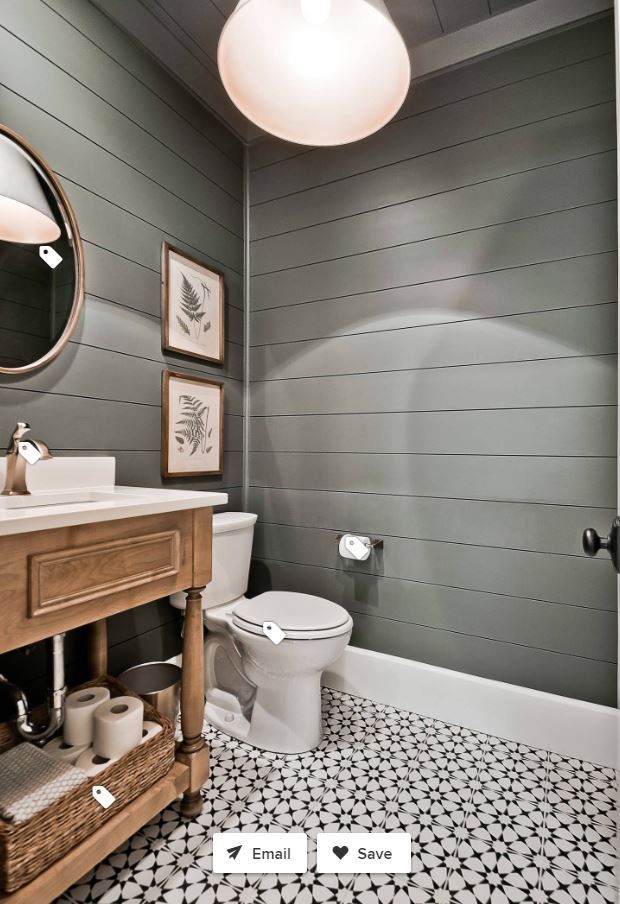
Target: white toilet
265 693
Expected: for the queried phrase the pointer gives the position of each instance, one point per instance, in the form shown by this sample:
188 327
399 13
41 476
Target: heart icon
340 851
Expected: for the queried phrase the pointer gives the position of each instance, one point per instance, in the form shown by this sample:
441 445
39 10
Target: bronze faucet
22 452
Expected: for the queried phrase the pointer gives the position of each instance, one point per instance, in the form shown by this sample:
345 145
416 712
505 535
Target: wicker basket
28 849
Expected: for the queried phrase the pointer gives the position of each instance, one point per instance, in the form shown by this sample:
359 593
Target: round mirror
41 259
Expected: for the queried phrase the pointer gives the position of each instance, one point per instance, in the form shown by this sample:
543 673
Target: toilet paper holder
375 542
357 548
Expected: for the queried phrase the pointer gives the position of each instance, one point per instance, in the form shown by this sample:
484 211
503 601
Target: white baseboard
565 726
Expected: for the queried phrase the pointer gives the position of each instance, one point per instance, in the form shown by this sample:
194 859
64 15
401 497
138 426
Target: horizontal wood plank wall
184 36
433 359
142 162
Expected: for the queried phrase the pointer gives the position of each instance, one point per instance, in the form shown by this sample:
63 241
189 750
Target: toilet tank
232 548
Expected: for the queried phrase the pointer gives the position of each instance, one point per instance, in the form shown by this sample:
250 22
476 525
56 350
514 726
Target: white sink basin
59 497
69 491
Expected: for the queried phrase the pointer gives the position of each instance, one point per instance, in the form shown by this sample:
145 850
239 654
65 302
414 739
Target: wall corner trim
245 477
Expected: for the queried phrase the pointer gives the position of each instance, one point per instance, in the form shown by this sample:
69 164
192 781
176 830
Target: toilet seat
300 615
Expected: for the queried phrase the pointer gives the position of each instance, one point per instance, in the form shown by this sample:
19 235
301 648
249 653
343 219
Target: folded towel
31 780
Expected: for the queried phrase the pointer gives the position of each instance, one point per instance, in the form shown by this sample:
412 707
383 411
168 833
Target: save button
363 852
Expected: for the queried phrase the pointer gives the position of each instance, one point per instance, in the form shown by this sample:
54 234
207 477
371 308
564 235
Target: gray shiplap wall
433 360
183 36
141 162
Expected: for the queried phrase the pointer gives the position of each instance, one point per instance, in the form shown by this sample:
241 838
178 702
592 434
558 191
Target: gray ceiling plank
455 14
201 22
195 41
500 6
418 22
158 40
225 7
183 36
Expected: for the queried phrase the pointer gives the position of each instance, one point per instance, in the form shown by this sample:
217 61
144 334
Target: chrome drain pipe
25 726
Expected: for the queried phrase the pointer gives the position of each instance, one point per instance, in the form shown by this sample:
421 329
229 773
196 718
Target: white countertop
92 480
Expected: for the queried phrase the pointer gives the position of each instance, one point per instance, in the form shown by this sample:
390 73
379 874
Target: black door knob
593 542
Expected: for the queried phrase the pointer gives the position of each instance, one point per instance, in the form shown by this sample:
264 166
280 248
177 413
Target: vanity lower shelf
55 880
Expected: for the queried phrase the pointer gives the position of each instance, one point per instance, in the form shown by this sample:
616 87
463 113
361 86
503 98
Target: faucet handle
20 430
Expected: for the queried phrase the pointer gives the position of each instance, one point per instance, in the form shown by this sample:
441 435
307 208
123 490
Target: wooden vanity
59 578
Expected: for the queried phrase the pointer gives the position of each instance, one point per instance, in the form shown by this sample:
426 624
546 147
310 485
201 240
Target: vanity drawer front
60 579
70 577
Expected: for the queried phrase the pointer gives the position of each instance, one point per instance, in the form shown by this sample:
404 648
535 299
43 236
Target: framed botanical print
192 306
192 438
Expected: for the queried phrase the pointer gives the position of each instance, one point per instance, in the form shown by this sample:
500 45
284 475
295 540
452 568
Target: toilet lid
295 613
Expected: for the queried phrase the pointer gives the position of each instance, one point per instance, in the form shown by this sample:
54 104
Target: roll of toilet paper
80 708
118 726
63 752
92 764
149 730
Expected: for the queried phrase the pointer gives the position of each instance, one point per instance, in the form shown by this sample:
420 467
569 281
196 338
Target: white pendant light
316 72
25 215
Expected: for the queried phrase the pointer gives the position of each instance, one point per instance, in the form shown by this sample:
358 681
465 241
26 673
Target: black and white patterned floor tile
491 821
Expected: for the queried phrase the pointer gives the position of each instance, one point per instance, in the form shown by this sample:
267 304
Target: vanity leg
98 648
193 750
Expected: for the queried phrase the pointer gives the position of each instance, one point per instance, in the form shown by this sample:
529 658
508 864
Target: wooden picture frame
192 306
192 426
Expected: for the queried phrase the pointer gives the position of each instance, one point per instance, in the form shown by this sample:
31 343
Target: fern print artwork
192 425
192 431
192 307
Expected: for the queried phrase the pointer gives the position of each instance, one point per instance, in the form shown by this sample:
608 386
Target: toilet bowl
264 692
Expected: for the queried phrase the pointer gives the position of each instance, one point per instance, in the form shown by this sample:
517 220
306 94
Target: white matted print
192 306
192 439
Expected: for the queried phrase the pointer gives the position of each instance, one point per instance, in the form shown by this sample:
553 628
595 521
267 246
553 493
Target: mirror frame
73 233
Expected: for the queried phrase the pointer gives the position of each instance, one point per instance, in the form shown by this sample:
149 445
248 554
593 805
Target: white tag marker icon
103 796
30 453
51 257
273 632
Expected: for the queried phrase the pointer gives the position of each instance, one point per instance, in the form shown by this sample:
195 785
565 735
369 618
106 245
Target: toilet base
287 714
222 710
285 718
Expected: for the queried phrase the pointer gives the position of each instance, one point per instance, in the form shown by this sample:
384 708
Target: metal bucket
158 683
